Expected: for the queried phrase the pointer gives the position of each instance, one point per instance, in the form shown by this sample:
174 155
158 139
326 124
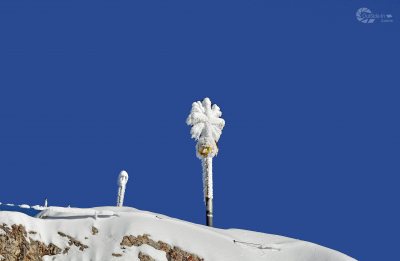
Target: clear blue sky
310 97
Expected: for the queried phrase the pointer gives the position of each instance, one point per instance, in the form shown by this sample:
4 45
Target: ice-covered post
122 180
206 130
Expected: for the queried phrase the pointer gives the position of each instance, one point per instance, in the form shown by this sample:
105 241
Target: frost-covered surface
24 206
113 223
122 180
205 120
206 129
37 207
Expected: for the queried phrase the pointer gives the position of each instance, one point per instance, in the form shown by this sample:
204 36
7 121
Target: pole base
209 212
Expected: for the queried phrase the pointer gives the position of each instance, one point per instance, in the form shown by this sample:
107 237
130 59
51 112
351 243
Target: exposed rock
66 250
62 234
94 230
15 246
144 257
172 253
73 241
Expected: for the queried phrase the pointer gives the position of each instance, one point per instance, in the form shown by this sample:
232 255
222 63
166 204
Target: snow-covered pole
206 129
208 189
122 180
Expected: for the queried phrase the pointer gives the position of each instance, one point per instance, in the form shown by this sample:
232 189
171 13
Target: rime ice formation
122 180
206 130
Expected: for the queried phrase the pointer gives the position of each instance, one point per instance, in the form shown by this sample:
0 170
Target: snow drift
122 233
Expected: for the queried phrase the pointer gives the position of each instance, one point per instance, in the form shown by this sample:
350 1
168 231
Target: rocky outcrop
172 253
16 246
73 241
144 257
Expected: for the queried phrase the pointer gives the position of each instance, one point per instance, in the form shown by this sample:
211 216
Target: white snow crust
113 223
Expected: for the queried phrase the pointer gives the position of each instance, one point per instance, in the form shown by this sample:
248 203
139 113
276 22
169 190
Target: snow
131 253
156 254
37 207
122 180
61 212
205 120
113 223
24 206
207 178
206 130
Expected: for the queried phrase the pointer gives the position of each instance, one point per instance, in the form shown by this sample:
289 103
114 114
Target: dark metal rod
209 212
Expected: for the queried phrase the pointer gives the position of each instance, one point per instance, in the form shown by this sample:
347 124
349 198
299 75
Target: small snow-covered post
45 202
122 180
206 130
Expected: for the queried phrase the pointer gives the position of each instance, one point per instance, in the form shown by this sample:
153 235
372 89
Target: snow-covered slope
111 233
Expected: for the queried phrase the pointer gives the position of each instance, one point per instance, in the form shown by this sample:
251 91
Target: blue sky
310 97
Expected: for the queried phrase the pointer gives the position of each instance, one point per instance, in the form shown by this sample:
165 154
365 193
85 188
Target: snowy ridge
112 224
60 212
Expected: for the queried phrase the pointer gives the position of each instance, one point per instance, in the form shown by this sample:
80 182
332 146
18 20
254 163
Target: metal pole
208 189
209 212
